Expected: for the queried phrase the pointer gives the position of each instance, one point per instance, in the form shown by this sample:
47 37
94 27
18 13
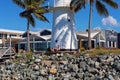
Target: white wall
63 30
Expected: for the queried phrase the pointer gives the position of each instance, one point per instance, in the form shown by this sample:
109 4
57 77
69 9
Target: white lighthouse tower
63 28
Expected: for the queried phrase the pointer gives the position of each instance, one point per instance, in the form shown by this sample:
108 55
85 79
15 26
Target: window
114 44
109 43
13 35
45 32
41 46
1 36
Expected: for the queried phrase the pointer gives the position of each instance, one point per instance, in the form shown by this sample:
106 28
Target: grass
95 52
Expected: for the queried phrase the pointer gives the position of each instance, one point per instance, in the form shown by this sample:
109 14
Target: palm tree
32 9
76 5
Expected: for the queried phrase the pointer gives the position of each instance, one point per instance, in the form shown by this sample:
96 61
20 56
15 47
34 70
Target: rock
43 71
22 64
37 60
97 64
33 76
116 77
111 77
82 64
77 76
53 70
67 76
50 77
118 66
75 68
93 70
110 59
98 59
37 73
91 63
7 62
36 67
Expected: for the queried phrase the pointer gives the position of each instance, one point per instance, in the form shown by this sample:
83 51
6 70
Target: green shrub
82 49
64 56
29 56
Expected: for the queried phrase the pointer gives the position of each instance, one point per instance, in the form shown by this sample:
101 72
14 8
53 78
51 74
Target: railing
3 53
6 51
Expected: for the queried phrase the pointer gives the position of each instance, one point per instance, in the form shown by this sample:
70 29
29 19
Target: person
58 48
52 49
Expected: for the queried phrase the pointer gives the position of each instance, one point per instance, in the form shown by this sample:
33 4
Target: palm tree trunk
89 26
28 37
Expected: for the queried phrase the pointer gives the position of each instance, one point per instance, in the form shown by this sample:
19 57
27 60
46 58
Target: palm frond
24 14
31 20
101 9
111 3
42 1
76 5
19 3
33 7
41 17
41 10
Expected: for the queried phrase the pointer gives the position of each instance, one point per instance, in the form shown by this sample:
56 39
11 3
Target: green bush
64 55
29 56
82 49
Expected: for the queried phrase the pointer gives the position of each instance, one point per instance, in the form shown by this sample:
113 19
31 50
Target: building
7 35
119 40
111 38
41 40
103 38
97 39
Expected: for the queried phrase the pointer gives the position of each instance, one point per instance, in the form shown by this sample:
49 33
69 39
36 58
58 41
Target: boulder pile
61 67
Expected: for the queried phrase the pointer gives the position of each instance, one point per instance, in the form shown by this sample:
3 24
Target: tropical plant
32 9
76 5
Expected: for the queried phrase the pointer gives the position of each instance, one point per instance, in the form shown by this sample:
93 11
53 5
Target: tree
32 9
100 7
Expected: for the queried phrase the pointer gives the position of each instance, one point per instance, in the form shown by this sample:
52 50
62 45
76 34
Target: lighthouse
63 27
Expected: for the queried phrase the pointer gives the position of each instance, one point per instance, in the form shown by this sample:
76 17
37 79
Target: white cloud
110 21
97 28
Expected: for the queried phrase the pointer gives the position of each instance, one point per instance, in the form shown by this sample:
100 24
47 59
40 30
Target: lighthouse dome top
62 3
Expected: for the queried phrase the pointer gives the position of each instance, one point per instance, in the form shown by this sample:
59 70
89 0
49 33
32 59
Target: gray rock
36 67
37 60
97 64
82 64
116 77
93 70
81 74
111 77
67 76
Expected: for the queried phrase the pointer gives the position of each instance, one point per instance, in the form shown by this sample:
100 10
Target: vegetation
29 55
103 51
82 49
100 7
32 9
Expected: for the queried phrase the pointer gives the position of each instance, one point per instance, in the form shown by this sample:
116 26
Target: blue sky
9 18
